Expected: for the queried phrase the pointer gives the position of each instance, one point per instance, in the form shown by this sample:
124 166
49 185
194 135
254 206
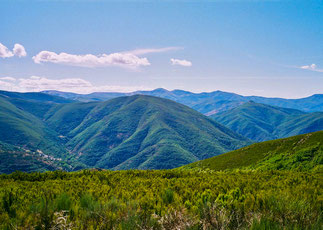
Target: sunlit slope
141 132
302 152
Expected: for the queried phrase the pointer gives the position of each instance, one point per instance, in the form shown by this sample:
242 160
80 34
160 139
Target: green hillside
261 122
305 123
14 158
302 152
26 142
35 103
21 128
142 132
64 118
128 132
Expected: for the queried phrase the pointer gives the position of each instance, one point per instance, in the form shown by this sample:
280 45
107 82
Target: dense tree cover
140 132
135 132
165 199
261 122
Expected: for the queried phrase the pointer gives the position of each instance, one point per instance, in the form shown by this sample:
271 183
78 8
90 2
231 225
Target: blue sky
268 48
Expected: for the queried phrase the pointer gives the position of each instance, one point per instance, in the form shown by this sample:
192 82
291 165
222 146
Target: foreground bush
164 199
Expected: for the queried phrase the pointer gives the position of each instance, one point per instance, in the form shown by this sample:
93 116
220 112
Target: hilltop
141 132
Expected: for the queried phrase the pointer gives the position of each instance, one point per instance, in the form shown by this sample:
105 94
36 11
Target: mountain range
261 122
139 131
257 118
45 131
206 103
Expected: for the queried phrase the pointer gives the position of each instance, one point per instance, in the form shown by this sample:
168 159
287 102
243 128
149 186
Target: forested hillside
127 132
261 122
22 129
140 132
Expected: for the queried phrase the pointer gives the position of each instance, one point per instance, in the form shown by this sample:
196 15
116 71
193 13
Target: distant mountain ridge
206 103
261 122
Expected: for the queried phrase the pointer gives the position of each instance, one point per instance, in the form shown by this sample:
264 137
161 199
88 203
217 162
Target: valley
145 162
161 115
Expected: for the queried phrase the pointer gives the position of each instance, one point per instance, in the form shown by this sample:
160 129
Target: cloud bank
8 78
75 85
18 50
181 62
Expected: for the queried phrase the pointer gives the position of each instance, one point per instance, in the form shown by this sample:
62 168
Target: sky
255 47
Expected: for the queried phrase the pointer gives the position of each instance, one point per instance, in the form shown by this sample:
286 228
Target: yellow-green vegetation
302 152
165 199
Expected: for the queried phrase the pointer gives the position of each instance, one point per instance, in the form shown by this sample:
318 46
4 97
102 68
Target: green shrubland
165 199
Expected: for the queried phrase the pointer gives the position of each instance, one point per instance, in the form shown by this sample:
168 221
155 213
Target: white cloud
153 50
76 85
312 67
181 62
19 50
8 78
127 59
5 52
